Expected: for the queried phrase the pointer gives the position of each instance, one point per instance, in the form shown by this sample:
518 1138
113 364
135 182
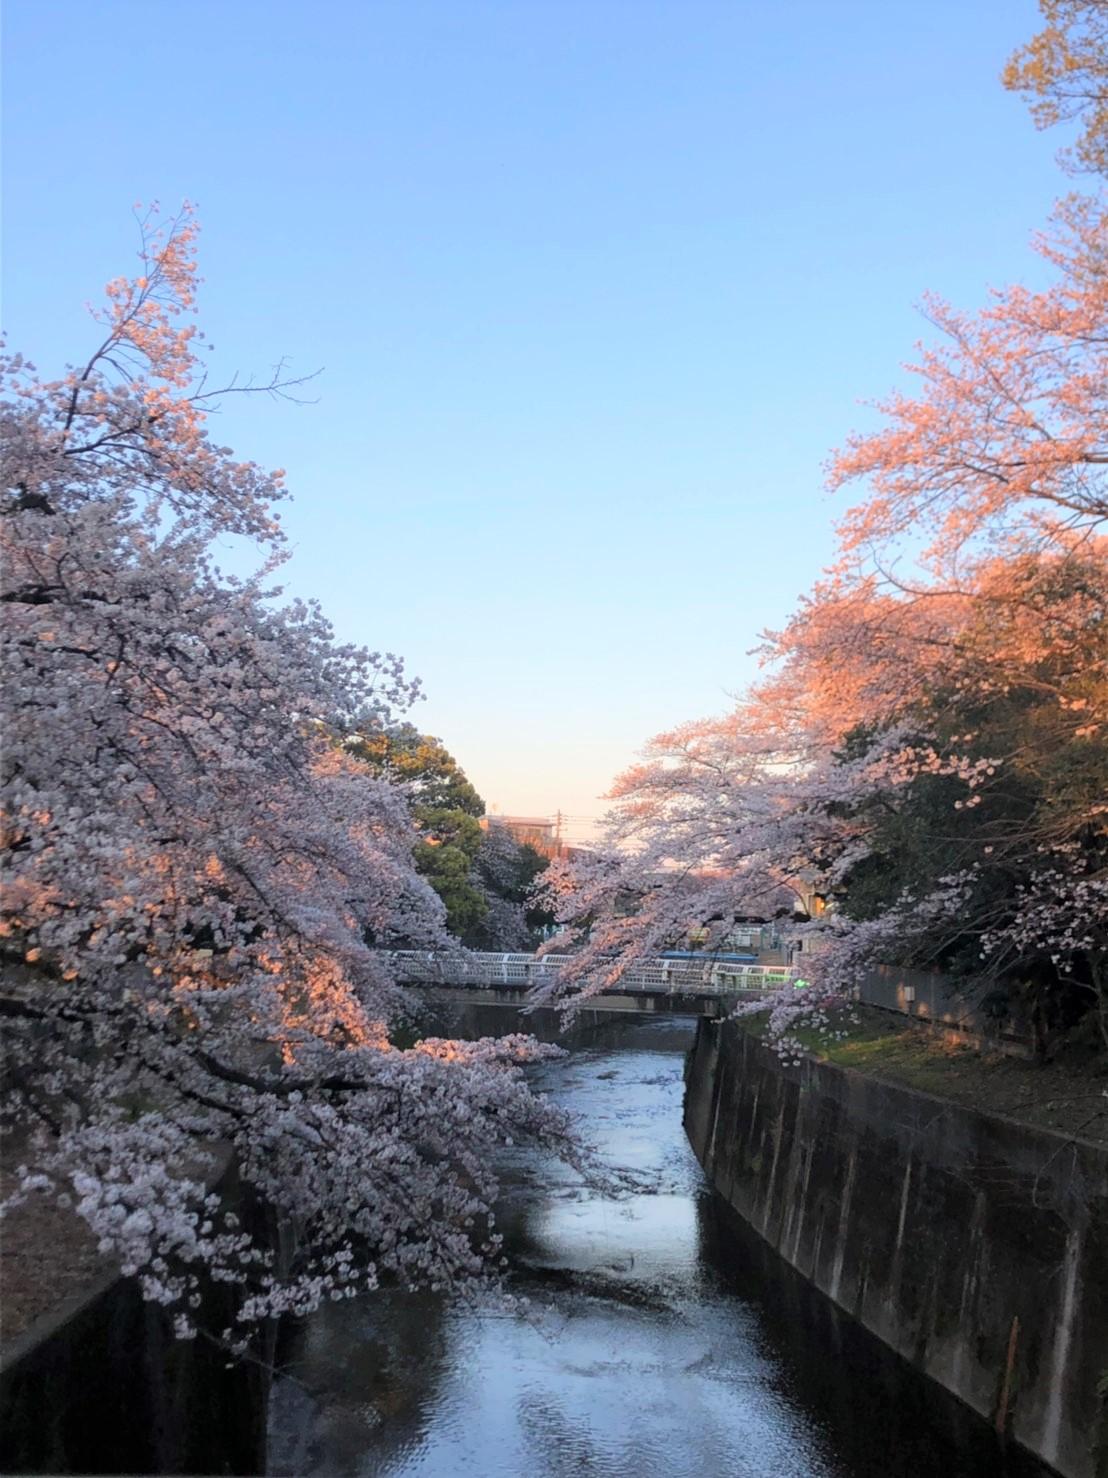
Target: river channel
660 1338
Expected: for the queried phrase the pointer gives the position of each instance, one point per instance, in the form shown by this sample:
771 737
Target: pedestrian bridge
682 987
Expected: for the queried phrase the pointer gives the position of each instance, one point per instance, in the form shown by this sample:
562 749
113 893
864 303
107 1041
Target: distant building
811 904
536 831
544 833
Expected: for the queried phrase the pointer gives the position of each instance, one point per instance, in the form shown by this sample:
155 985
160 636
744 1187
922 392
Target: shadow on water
356 1381
660 1337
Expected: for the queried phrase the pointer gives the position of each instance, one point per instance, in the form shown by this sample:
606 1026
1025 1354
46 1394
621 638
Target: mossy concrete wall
974 1246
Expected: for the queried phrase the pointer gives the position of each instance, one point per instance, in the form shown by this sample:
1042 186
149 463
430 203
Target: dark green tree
484 877
445 807
433 777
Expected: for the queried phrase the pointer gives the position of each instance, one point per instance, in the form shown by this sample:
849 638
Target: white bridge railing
438 967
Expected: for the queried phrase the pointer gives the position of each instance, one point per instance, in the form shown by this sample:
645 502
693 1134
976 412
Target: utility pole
558 833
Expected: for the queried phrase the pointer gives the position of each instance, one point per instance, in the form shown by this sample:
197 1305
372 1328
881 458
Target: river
660 1338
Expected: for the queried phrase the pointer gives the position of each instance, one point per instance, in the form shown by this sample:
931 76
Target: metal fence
675 977
919 994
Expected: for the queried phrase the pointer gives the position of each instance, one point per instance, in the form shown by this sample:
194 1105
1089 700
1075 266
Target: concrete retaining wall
974 1246
470 1013
105 1388
101 1385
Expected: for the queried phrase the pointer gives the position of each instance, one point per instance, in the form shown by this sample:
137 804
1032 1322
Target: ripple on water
637 1352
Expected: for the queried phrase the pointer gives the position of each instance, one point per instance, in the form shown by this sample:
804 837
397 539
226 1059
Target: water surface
660 1336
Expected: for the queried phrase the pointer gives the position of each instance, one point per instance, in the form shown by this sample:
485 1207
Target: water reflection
661 1338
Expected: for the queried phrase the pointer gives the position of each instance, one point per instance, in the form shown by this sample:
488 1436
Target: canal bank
974 1246
655 1336
99 1383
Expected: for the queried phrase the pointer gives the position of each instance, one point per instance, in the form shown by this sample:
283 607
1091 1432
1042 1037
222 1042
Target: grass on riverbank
1068 1094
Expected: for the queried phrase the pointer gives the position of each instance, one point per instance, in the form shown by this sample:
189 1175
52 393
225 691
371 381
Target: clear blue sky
595 287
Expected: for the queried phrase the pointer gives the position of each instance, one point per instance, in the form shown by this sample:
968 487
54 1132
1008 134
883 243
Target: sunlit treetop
1063 74
1004 445
135 411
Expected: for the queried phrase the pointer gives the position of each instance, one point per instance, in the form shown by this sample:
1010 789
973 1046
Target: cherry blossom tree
1006 444
997 645
927 751
1063 74
1002 781
506 871
717 825
932 766
195 874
